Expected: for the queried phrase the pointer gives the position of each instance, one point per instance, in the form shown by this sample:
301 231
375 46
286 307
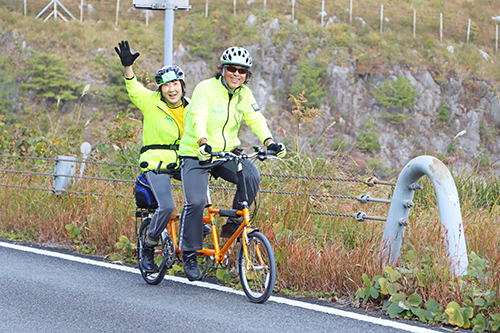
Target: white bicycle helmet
169 73
236 56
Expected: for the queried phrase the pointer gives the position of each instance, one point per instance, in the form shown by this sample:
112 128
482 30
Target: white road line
314 307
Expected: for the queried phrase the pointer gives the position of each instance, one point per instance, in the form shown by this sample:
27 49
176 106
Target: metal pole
322 11
55 10
206 8
350 13
25 8
414 22
468 31
293 10
381 17
81 11
449 211
234 7
169 33
264 5
441 27
496 39
117 11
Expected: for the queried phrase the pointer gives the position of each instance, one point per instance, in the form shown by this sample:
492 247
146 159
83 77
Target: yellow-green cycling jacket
215 116
162 125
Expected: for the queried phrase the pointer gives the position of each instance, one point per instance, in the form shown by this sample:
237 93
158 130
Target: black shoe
148 261
190 264
206 230
230 227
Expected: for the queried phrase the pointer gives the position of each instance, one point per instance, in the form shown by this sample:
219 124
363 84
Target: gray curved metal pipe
449 211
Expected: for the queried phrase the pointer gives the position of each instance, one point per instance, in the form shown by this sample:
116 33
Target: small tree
400 94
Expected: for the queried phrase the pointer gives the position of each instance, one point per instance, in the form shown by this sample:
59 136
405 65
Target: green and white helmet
169 73
236 56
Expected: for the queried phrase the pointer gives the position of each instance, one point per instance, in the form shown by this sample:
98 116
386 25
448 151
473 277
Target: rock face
471 105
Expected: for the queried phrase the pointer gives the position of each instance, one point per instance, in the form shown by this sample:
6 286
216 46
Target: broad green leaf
383 286
394 310
479 301
420 313
415 299
221 273
467 313
399 297
393 275
454 313
374 293
393 288
433 306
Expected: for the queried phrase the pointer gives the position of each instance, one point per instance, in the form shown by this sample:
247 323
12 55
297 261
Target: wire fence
44 185
455 22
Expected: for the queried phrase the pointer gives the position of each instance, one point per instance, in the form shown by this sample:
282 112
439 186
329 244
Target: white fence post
468 31
264 5
293 10
234 7
322 11
441 27
350 13
81 11
496 39
206 8
414 22
25 8
381 17
117 11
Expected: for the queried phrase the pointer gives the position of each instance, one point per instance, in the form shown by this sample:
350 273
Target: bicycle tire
258 280
164 254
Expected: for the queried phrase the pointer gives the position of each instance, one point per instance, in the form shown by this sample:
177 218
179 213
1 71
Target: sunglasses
233 69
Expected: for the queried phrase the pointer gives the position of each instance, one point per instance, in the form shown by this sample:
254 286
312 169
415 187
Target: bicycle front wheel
258 274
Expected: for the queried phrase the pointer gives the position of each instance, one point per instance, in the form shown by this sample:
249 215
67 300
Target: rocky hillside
436 110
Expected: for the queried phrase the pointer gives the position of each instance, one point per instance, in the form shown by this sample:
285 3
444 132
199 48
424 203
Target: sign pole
169 33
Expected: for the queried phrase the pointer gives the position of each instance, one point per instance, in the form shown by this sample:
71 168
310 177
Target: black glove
125 55
204 153
279 148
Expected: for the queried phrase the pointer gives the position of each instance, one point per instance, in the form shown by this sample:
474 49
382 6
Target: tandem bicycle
255 262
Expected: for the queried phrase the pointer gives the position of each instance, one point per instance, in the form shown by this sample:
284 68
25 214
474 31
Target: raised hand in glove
125 55
279 148
204 153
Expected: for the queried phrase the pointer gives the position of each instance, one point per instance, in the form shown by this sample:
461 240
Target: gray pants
195 186
162 190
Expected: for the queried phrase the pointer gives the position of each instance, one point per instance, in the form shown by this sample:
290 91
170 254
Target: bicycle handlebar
260 153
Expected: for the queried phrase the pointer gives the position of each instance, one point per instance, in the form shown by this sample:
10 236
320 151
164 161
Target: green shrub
311 77
48 77
400 94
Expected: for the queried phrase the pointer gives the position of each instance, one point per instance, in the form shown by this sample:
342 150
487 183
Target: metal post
293 10
350 13
264 5
441 27
234 7
449 211
81 11
496 39
322 11
206 8
25 8
468 31
117 11
381 17
65 166
414 22
169 33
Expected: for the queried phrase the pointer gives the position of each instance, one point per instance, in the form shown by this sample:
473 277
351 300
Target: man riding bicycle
218 106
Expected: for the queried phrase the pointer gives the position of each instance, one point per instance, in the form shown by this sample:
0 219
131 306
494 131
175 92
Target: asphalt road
47 291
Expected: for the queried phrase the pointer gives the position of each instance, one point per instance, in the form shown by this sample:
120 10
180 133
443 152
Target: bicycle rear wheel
258 275
164 254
